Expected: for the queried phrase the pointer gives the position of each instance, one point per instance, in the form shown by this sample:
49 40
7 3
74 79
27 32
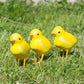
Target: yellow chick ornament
63 39
19 48
39 44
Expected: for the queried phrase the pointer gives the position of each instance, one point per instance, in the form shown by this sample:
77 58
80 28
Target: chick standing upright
19 48
63 39
39 44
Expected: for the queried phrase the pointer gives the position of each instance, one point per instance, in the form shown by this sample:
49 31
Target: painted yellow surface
63 39
39 43
18 47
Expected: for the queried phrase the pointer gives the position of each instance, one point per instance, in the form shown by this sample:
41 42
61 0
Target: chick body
66 41
39 44
63 39
19 48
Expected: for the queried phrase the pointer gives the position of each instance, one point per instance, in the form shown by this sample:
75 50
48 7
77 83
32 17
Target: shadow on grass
70 53
39 57
30 61
46 57
20 62
27 62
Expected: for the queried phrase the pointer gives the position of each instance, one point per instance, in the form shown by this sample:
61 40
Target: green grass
53 69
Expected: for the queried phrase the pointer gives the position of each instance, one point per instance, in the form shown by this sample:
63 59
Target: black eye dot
19 38
37 33
58 31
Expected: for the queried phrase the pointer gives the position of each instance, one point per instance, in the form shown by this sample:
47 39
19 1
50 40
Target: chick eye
37 33
58 31
19 38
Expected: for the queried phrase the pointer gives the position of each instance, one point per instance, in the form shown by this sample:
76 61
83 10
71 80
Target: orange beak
12 40
52 33
31 35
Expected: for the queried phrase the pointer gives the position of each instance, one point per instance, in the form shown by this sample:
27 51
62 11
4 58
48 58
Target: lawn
21 17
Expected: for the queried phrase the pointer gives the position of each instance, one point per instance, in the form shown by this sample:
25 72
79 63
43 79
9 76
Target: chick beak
31 35
52 33
12 40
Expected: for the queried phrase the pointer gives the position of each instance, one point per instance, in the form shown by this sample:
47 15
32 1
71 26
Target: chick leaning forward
63 39
39 44
19 48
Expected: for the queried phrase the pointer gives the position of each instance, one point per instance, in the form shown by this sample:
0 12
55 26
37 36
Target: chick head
16 38
35 33
58 31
